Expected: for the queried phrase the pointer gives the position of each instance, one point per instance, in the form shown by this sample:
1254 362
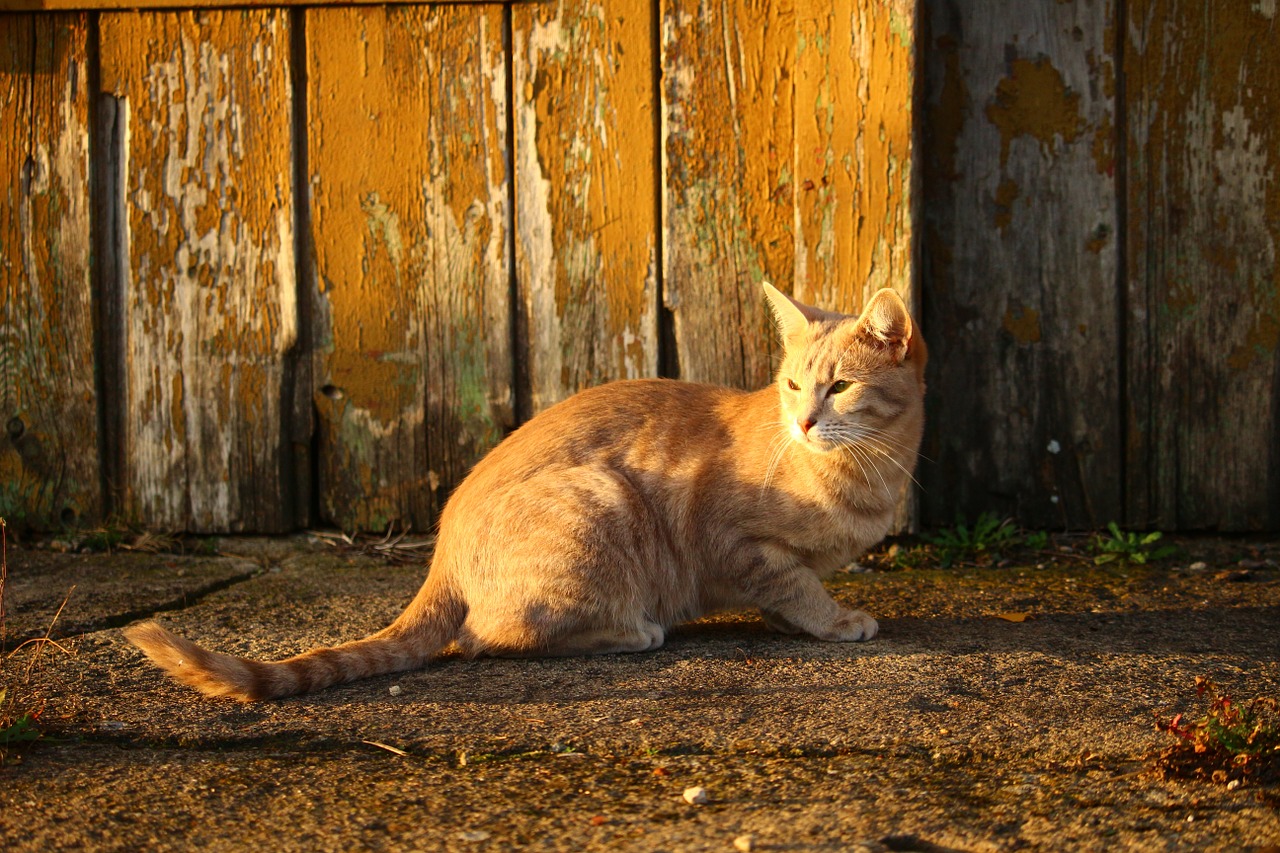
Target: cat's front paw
777 623
851 626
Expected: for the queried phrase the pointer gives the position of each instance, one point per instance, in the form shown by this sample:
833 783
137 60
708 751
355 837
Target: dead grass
20 708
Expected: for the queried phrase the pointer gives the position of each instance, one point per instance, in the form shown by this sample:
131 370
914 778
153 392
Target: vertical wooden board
409 191
1204 264
49 467
1020 250
728 215
854 80
206 260
586 219
854 195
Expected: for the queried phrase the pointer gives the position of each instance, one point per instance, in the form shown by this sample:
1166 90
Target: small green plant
1233 743
15 728
963 542
104 539
1129 547
1036 540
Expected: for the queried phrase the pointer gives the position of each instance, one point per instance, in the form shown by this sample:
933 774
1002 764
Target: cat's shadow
723 656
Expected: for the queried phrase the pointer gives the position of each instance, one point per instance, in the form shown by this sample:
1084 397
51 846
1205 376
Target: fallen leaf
1014 617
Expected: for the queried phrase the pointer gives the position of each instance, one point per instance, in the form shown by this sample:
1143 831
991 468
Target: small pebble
395 690
695 796
1198 566
745 843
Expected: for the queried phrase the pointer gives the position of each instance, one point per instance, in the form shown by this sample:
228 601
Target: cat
639 504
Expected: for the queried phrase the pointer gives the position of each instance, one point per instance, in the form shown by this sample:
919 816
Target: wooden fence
262 268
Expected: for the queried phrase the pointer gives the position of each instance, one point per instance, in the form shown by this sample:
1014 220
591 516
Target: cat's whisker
889 456
783 444
862 454
891 441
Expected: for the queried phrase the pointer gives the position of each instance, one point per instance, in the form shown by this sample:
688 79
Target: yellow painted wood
109 5
49 470
854 73
729 221
207 264
1203 264
406 141
585 188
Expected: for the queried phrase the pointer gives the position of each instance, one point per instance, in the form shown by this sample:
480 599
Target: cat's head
850 380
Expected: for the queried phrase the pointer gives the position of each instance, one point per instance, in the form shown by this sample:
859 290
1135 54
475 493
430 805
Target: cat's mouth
813 440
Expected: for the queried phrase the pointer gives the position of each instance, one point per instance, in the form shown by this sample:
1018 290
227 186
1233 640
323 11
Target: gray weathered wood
1203 316
1020 249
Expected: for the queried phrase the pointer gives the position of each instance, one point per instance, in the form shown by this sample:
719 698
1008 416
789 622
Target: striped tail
408 643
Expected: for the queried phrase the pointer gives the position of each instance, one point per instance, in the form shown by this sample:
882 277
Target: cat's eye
791 383
838 387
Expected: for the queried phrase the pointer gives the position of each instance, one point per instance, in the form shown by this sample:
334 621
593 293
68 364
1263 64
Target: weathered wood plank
586 217
1021 253
854 80
854 195
207 264
49 472
1204 264
409 216
729 221
113 5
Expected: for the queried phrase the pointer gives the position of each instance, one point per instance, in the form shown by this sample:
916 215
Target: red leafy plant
1234 744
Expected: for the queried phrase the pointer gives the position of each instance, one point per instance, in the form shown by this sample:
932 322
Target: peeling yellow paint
1034 101
730 191
853 153
1023 324
50 465
209 284
412 369
585 187
1006 195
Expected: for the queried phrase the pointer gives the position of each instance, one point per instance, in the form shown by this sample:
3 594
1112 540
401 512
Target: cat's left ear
793 317
886 325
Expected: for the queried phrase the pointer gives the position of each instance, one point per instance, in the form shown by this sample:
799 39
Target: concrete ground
956 729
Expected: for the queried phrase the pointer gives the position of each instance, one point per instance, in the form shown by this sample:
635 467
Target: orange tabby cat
637 505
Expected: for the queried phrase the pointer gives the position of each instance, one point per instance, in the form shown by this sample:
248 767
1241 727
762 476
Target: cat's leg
566 640
777 623
643 637
793 600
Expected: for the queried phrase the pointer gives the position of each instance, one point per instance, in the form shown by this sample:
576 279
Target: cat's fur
637 505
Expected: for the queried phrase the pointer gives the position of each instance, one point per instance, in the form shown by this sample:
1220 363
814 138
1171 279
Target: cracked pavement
954 730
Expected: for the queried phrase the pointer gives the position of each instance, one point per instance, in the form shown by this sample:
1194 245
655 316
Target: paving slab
956 729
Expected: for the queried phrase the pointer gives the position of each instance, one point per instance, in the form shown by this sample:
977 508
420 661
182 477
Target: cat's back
655 418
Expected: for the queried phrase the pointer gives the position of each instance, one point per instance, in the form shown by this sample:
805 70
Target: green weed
1128 547
965 543
1233 743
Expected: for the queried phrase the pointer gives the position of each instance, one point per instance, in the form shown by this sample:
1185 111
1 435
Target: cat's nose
806 424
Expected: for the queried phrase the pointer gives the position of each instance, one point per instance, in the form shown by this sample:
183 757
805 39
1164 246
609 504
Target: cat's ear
885 324
793 317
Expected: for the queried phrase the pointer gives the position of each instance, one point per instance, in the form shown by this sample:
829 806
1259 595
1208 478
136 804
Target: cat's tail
421 632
